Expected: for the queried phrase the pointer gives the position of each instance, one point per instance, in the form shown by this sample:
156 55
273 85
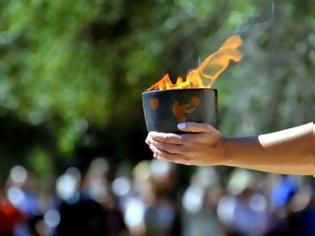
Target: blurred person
294 212
96 186
163 206
21 187
84 217
88 206
159 214
153 209
10 216
199 204
250 208
21 191
243 209
114 220
47 219
289 151
79 213
134 204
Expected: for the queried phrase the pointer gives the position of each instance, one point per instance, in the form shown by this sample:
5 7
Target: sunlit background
72 154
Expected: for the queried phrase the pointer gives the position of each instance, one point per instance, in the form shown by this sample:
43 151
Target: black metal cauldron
164 109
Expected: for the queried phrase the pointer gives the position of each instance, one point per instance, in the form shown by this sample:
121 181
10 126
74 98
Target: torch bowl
164 109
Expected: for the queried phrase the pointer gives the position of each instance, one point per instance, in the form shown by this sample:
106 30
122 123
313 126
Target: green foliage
70 66
40 162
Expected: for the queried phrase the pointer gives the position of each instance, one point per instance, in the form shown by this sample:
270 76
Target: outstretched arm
290 151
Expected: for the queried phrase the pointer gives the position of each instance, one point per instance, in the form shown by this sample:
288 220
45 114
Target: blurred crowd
149 200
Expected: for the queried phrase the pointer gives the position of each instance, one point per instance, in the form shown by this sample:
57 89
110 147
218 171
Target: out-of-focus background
72 154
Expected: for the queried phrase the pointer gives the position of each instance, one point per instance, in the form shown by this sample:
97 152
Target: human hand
202 144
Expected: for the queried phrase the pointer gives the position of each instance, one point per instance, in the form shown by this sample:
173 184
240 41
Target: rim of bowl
174 90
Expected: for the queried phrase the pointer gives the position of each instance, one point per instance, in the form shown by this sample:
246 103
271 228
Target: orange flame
209 70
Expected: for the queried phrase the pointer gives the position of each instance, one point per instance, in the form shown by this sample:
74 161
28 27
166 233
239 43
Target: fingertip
154 134
150 133
147 141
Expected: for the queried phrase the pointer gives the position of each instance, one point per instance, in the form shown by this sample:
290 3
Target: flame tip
210 69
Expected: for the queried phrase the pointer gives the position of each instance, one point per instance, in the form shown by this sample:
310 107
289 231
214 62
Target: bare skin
290 151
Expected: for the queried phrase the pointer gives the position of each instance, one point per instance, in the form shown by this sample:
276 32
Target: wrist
236 151
225 143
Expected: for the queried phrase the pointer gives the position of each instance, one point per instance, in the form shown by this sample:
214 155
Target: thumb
195 127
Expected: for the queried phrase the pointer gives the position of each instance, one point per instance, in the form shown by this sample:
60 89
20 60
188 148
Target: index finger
166 137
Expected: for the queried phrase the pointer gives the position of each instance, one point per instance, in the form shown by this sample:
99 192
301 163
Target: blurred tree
75 69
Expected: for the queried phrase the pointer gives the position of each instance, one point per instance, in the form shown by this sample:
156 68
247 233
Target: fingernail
181 125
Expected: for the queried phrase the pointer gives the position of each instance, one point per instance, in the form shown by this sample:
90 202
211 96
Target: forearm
290 151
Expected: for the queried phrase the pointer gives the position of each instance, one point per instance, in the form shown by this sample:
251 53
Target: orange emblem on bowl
154 104
180 111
